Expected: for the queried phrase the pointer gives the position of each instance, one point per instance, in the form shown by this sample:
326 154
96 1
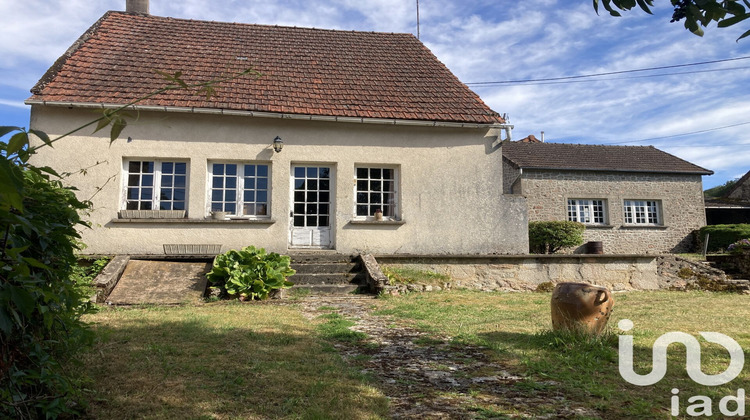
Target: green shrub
550 237
721 236
250 273
40 301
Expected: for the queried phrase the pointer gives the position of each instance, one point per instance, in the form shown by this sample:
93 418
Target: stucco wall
681 197
450 181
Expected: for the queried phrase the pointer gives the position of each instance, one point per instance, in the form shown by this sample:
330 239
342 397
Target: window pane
375 198
312 209
262 197
166 180
147 180
375 186
362 186
325 173
218 169
179 181
230 208
248 209
231 182
323 221
323 209
165 206
132 205
299 208
147 167
216 195
361 210
325 185
217 207
167 167
362 198
134 180
180 168
375 173
299 196
362 173
165 194
263 170
312 197
179 195
312 172
299 221
387 173
312 221
147 194
299 184
145 205
324 197
134 167
248 196
299 173
312 184
230 195
231 169
262 183
249 170
179 205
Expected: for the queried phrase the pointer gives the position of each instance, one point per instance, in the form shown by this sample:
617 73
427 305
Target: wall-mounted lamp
277 144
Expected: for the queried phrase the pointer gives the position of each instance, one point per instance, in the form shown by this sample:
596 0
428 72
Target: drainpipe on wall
136 6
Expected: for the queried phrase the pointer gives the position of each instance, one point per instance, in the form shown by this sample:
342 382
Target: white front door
311 197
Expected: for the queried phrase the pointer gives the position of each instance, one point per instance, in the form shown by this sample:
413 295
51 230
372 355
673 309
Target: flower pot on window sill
151 214
219 215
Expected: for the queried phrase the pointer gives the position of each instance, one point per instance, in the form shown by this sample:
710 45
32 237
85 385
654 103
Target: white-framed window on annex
239 189
587 211
155 185
376 188
642 212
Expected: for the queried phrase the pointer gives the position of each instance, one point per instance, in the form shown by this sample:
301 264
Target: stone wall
528 272
681 197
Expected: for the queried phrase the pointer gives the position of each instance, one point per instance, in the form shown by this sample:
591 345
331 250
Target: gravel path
428 377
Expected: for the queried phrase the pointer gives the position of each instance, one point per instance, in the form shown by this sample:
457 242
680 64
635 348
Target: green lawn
243 361
516 327
221 361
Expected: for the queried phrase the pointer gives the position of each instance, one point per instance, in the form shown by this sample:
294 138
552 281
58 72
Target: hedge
721 236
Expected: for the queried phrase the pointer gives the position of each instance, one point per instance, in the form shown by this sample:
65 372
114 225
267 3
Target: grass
229 360
221 361
398 274
516 327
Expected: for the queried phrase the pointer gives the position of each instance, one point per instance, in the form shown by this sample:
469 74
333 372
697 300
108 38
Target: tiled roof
304 71
586 157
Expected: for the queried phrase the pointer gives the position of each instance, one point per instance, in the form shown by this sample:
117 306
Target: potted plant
378 215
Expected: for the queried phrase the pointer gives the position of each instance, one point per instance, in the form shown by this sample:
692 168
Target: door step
328 273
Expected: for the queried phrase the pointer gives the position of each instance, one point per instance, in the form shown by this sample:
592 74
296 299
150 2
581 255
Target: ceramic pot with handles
581 306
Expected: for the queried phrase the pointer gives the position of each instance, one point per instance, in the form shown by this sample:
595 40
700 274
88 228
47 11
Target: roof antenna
417 19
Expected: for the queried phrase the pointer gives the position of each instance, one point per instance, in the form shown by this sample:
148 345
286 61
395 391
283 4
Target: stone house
733 207
349 141
633 199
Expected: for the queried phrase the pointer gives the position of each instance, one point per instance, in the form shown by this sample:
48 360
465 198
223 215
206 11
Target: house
350 141
633 199
733 207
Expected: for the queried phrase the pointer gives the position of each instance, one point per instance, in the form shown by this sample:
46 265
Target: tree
697 14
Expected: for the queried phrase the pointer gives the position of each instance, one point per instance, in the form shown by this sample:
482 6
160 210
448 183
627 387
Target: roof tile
312 71
588 157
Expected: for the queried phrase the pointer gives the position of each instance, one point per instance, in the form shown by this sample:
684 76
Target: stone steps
327 273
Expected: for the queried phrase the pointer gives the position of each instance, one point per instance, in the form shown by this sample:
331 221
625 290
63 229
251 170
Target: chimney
542 136
136 6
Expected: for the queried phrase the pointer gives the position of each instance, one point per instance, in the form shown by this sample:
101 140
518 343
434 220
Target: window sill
377 222
599 226
656 227
200 221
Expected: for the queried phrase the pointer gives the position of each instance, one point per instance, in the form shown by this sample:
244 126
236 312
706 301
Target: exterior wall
681 197
741 191
510 176
450 182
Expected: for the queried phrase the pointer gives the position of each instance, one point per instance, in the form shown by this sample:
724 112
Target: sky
700 113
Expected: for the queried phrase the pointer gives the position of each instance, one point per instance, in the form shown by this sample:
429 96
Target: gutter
707 172
260 114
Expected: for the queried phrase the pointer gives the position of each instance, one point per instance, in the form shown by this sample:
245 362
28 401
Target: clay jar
581 307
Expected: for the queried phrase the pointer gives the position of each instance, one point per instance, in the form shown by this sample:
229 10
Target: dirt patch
432 377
